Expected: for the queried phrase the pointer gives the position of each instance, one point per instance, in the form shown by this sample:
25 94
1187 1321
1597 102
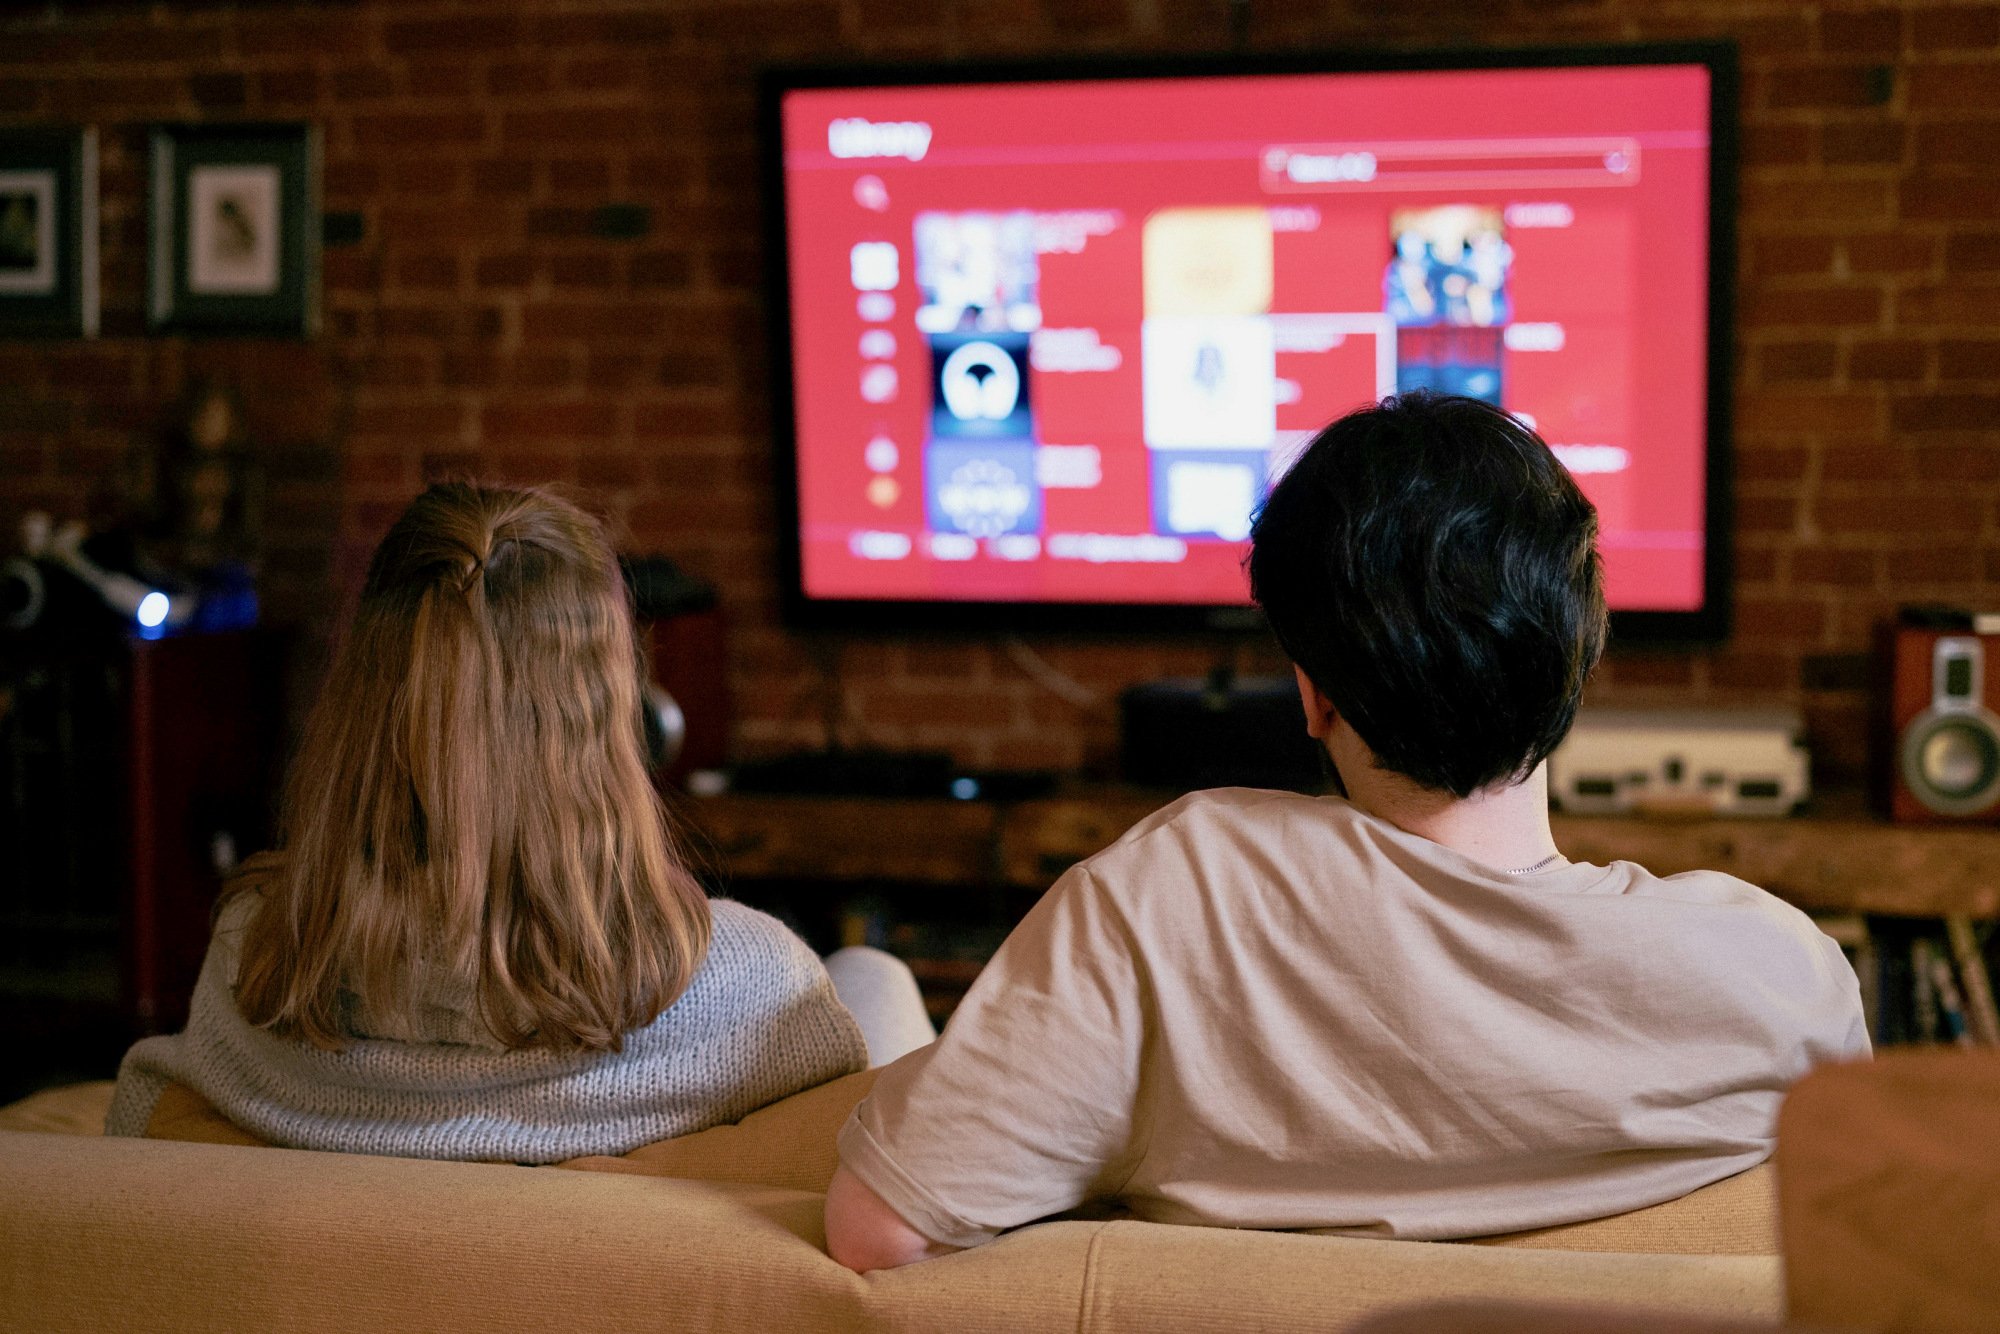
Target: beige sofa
721 1231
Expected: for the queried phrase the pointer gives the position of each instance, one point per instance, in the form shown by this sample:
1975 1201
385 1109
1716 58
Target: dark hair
1432 567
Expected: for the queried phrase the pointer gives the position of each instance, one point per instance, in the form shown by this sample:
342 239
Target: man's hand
864 1233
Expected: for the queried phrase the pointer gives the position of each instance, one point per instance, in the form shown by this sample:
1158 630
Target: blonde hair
471 795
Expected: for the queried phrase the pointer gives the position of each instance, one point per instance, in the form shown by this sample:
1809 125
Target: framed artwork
48 233
234 217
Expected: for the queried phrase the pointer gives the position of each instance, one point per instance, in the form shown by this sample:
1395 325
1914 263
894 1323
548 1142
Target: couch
202 1228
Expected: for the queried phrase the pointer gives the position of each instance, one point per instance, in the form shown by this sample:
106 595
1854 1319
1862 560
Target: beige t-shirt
1259 1009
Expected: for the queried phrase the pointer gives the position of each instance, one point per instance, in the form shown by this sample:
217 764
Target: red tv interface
1052 341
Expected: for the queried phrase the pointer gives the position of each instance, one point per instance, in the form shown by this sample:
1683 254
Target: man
1399 1011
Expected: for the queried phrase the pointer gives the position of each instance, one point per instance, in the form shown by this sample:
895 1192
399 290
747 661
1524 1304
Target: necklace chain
1525 870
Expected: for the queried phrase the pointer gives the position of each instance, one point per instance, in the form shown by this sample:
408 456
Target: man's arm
864 1233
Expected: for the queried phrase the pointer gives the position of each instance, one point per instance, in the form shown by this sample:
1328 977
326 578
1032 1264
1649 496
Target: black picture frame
233 216
1696 628
48 233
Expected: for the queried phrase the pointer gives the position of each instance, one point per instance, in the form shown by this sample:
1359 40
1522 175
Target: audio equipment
1188 733
1938 757
1694 761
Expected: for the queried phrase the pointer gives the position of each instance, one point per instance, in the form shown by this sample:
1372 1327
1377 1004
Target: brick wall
480 325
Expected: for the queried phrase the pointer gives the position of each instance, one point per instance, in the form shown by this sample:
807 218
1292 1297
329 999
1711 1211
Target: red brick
1797 361
411 420
1777 412
1956 563
515 78
1783 618
579 174
603 74
1777 145
611 470
1861 144
1947 412
1958 28
511 270
440 79
459 36
1862 32
1630 669
469 222
1814 307
553 222
685 416
1767 514
1742 669
1870 462
1969 359
639 28
1972 252
1781 256
1841 568
1959 143
1889 252
363 83
290 87
591 270
1953 89
510 423
1958 303
1820 200
610 320
423 130
1896 514
589 125
1758 462
427 271
409 178
661 268
503 176
1958 462
1825 86
337 34
1888 359
483 370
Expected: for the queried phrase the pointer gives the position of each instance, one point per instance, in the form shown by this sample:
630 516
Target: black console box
1188 733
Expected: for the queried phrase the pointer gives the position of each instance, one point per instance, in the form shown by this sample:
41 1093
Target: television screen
1044 342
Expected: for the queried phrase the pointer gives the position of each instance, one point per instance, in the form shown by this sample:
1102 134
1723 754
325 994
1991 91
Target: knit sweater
759 1021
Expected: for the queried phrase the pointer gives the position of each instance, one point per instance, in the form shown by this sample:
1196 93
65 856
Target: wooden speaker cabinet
1938 736
203 768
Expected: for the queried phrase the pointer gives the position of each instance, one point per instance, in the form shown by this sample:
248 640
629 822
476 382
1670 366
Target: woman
477 940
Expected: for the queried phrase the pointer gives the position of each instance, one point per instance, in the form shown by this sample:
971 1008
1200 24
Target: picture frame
48 233
233 214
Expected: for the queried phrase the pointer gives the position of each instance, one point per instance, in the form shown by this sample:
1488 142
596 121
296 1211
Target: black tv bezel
1709 624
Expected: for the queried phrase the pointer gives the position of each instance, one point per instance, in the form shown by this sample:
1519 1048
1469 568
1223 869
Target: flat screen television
1043 334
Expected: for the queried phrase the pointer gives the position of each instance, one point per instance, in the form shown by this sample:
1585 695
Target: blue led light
965 789
153 610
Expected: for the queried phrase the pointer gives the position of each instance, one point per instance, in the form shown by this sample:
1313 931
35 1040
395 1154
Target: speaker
1940 752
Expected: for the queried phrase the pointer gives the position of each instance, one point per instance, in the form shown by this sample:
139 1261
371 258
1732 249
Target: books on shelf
1922 980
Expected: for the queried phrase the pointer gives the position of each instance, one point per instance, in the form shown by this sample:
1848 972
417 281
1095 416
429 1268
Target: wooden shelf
1837 859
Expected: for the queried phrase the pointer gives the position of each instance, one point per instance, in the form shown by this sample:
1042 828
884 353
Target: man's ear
1320 713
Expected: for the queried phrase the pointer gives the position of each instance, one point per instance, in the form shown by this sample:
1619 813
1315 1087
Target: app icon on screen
978 271
980 386
981 488
1446 289
1209 381
1207 494
1207 261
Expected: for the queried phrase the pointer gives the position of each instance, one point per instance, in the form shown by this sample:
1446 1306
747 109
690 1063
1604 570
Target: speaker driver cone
1951 761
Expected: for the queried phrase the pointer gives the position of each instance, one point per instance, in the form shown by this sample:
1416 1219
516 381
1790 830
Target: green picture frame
233 215
48 233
